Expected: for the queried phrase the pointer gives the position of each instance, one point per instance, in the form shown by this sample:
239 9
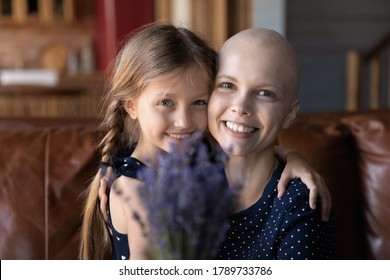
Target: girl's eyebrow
226 77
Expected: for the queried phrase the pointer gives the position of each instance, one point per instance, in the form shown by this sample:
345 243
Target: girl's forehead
177 82
192 75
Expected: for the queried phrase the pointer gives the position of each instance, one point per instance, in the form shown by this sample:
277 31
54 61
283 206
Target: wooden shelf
75 96
42 11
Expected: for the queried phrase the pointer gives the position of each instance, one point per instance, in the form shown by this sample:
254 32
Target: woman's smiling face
253 97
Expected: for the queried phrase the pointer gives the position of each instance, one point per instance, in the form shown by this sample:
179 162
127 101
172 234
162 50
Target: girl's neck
252 173
146 153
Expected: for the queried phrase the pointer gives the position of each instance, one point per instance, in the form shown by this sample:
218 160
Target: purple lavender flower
188 201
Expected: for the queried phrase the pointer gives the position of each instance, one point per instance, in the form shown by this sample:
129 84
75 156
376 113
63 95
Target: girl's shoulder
126 165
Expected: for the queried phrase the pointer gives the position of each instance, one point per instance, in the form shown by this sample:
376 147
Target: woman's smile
239 128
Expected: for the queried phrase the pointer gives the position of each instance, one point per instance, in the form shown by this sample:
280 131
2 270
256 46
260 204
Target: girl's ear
129 107
291 115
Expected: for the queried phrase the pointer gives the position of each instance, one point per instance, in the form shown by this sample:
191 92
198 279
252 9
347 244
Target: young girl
159 94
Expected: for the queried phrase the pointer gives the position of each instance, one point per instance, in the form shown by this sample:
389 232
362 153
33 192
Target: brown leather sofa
46 164
352 152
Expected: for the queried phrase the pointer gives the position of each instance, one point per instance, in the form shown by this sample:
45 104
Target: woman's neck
252 173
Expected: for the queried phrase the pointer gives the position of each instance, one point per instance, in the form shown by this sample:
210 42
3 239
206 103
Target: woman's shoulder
296 194
296 190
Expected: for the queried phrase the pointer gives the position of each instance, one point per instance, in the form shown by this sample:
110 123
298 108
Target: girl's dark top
129 167
285 228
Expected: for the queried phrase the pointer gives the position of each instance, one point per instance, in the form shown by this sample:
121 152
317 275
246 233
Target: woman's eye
166 102
266 93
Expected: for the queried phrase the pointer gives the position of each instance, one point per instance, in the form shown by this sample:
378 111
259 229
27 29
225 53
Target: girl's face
171 108
251 100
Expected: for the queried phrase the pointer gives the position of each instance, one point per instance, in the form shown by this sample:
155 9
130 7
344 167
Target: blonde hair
152 51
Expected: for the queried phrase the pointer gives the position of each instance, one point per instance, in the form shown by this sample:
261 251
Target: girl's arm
298 167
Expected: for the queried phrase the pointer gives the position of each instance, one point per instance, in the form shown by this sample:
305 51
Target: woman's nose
241 105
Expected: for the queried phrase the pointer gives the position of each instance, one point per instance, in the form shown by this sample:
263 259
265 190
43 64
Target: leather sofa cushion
22 203
328 146
44 170
372 134
72 164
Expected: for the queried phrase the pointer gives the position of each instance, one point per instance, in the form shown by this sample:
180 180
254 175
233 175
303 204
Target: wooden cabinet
216 20
50 34
77 96
42 11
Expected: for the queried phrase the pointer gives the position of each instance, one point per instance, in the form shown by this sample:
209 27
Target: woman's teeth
239 128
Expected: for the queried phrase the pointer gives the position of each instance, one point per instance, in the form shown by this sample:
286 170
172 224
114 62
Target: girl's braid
114 124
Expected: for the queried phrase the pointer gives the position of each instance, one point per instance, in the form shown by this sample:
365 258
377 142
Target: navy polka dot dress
285 228
129 167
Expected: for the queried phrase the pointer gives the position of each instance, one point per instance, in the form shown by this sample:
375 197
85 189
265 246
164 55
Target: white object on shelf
38 77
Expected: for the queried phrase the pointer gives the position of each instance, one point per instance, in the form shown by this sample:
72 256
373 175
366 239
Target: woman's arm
136 218
298 167
106 176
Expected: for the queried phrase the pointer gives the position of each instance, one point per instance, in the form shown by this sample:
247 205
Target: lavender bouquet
188 202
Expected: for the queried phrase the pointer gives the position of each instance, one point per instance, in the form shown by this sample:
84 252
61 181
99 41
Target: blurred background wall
91 31
322 33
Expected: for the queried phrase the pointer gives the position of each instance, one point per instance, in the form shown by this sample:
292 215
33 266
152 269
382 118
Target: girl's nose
183 119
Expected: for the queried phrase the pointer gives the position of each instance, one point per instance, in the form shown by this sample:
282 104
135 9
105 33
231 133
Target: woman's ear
129 107
291 115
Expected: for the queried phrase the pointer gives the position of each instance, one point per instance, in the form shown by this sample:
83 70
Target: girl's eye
166 102
200 102
226 85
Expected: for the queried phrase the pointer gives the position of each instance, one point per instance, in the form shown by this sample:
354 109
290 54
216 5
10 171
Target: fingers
103 197
282 184
109 174
326 201
297 167
313 195
318 188
325 212
312 184
103 192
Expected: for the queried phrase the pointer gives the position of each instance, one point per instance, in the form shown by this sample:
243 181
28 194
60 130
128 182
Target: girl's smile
170 108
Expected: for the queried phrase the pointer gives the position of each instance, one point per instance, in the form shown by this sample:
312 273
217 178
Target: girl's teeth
239 128
179 136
